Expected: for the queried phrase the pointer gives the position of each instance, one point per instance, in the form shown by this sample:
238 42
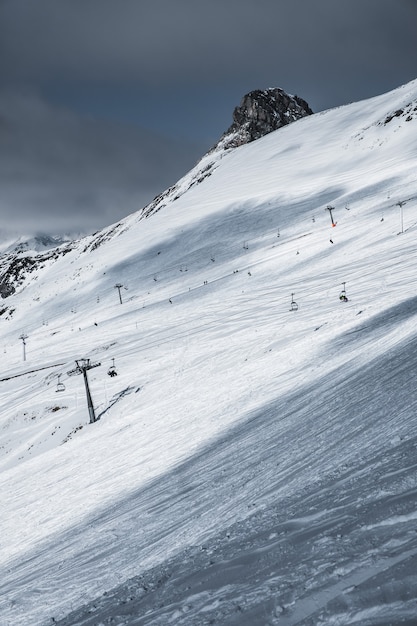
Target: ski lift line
243 269
224 276
236 247
38 369
231 317
158 340
335 272
174 267
306 294
404 201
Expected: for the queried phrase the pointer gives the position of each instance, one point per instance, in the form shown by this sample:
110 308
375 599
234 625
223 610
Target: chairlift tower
83 365
119 286
330 209
401 204
23 337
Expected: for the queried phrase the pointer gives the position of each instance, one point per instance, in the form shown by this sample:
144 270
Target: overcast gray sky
105 103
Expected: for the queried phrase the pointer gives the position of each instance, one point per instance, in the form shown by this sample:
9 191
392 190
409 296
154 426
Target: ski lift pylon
331 209
112 370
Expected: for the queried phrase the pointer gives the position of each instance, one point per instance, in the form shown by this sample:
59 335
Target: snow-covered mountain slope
251 464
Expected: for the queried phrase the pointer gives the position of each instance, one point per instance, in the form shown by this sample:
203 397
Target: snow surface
251 465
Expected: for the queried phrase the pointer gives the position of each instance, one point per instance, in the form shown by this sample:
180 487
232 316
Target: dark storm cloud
62 173
176 68
195 41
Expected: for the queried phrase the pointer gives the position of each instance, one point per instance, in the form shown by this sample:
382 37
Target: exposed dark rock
409 112
14 268
14 274
261 112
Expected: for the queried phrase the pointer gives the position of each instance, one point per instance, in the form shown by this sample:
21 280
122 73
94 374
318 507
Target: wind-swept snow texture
251 465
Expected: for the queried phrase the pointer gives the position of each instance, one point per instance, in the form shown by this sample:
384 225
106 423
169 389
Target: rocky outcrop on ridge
16 267
261 112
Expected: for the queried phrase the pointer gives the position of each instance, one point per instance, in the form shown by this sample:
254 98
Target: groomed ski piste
250 464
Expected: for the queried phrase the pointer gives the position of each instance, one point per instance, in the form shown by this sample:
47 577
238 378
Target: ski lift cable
36 327
238 314
108 289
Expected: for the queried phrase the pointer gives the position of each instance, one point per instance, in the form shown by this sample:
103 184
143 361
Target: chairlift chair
112 370
59 386
294 305
342 296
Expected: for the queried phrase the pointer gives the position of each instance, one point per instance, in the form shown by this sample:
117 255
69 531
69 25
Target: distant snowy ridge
13 242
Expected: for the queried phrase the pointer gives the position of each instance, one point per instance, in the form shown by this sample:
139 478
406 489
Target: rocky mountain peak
259 113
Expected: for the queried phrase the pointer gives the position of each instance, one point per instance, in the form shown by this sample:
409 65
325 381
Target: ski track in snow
252 465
